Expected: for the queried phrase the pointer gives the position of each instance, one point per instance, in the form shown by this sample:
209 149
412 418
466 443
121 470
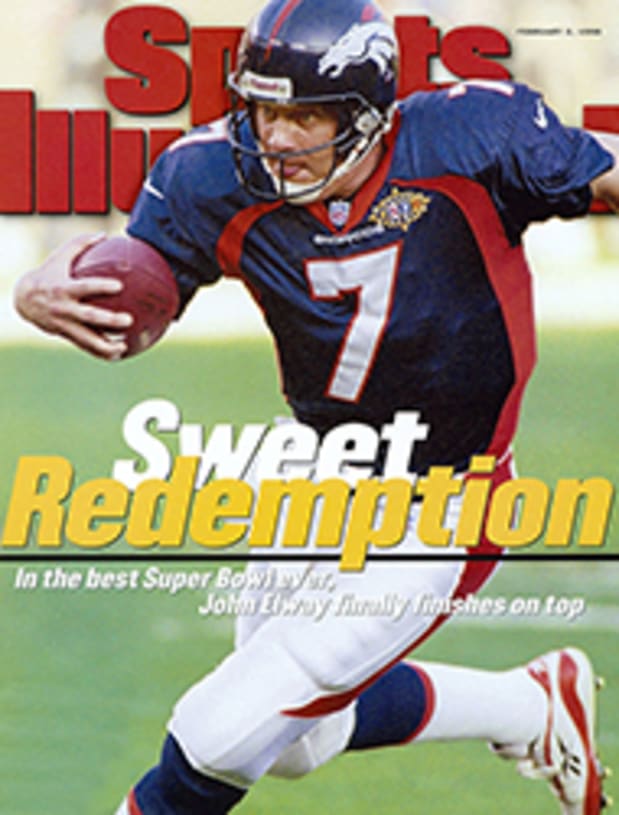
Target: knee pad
230 725
323 742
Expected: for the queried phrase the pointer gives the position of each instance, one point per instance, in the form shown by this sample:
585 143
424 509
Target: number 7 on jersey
371 276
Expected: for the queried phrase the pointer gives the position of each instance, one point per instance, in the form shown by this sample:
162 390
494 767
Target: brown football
149 290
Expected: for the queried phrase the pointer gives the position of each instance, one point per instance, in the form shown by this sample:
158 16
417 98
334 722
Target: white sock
504 707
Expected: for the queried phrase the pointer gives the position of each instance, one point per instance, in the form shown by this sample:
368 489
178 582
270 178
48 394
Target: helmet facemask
359 128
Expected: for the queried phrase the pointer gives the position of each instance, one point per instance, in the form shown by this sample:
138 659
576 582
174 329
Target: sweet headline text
283 489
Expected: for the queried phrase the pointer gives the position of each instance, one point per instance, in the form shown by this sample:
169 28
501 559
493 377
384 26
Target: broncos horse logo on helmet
341 55
364 41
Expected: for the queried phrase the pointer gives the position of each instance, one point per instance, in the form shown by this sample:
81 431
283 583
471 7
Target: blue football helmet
342 55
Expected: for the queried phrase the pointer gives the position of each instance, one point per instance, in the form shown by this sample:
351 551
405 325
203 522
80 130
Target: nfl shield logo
338 212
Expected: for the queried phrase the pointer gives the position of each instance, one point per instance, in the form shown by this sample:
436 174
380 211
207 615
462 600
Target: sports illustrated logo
400 209
362 41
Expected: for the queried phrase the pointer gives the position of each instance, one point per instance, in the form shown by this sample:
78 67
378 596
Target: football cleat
564 754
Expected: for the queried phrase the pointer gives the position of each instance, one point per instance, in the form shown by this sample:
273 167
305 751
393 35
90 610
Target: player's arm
49 298
606 186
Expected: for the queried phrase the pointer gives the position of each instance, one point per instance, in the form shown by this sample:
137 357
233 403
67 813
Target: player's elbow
606 186
606 189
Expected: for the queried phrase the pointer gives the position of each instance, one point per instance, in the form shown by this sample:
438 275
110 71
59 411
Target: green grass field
88 677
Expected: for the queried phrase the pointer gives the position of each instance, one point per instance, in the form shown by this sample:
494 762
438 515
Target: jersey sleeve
545 168
167 216
503 135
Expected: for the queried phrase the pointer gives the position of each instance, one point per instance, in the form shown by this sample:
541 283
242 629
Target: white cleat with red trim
565 753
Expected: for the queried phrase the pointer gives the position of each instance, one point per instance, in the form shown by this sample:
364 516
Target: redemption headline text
308 492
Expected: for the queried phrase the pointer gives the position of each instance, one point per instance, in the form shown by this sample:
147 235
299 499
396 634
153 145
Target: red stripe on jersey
229 247
473 576
504 471
362 199
229 250
134 809
510 279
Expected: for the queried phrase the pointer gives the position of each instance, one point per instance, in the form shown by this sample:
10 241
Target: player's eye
267 113
306 116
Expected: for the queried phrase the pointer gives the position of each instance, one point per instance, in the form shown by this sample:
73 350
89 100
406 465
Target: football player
383 242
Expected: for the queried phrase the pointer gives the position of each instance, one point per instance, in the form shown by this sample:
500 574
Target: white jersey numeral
371 276
493 85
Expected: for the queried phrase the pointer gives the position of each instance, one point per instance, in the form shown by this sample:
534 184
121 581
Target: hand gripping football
149 292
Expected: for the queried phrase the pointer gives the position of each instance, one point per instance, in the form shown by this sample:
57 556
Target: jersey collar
363 198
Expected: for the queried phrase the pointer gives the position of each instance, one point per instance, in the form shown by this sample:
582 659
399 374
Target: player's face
286 128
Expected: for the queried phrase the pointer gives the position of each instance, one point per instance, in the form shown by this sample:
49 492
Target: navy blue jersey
414 295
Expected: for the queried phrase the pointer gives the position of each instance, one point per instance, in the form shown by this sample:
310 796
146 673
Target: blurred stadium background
87 678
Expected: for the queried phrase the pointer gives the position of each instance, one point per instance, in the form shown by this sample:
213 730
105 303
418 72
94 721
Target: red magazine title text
61 161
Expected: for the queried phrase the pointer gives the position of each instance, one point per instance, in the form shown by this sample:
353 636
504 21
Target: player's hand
55 302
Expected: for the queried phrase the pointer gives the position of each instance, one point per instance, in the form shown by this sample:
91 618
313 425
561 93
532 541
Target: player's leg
174 787
223 734
426 702
542 715
431 701
509 709
409 701
232 726
224 753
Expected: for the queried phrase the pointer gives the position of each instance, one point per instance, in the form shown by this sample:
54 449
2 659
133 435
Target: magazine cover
309 341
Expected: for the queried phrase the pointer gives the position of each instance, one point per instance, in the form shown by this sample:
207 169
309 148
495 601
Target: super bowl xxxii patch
400 209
